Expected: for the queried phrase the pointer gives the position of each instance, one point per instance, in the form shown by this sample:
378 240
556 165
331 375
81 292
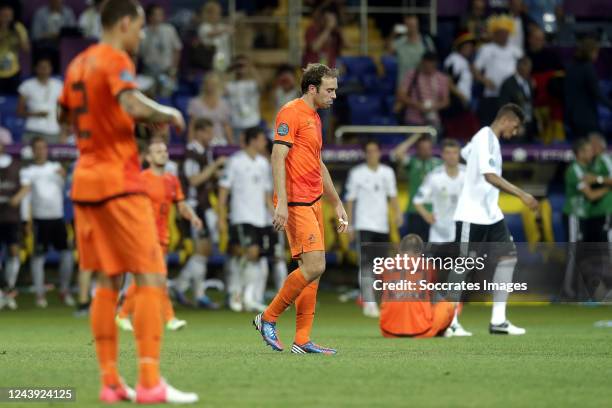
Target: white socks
12 271
194 272
252 286
234 276
280 273
503 274
37 267
66 269
263 279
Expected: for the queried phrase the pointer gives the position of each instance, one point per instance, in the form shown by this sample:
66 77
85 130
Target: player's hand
590 178
530 201
196 222
430 219
14 201
281 213
177 120
342 218
220 161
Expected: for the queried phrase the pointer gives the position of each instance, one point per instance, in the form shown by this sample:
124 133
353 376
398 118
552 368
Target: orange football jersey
108 163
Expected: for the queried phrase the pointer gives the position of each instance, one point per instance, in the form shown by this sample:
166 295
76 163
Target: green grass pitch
562 361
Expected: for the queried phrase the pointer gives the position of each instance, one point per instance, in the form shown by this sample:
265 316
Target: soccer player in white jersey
478 216
246 179
441 189
370 187
436 201
44 180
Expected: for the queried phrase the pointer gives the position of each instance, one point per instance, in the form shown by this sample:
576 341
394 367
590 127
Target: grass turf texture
562 361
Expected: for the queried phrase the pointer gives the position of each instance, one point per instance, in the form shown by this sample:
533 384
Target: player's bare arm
427 215
505 186
281 212
187 213
593 194
399 152
222 208
329 190
144 109
207 173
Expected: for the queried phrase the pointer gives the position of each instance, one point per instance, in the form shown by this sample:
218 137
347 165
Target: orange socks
127 309
148 331
105 333
305 309
293 286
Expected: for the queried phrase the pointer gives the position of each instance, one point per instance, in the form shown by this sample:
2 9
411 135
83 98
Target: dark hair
371 141
523 60
426 137
37 139
284 68
251 134
429 56
202 123
114 10
151 8
511 109
585 48
450 143
411 243
579 144
314 73
43 57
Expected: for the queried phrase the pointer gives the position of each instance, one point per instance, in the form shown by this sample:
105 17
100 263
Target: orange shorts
305 229
118 236
442 314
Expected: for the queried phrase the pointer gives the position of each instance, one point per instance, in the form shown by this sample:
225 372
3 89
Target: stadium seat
556 202
374 84
356 67
362 107
8 105
389 63
515 225
15 125
181 103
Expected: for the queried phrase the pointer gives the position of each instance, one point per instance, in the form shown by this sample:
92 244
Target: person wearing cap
495 61
457 65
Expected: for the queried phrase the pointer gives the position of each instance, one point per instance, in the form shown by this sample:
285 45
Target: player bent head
583 150
411 245
122 22
509 120
450 152
319 84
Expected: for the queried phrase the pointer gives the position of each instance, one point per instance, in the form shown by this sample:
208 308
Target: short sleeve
176 41
24 89
286 127
486 161
121 75
424 192
25 177
391 184
351 186
227 175
178 190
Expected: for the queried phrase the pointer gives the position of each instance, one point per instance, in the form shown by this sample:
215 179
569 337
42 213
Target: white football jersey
479 200
442 192
249 182
47 194
370 189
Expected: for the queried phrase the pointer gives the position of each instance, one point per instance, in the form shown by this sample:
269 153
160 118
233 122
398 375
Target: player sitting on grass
164 189
416 316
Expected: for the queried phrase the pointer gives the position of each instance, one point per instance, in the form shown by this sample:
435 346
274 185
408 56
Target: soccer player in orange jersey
164 190
115 225
300 180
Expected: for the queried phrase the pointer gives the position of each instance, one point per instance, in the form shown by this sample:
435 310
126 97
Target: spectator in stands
13 40
423 93
601 210
323 38
38 105
548 75
210 105
214 32
547 14
416 169
285 87
518 89
243 92
160 51
6 138
410 46
89 20
475 22
582 91
458 116
522 23
50 19
45 180
495 61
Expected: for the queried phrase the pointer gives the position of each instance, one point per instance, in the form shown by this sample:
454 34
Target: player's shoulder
438 170
387 170
290 108
358 169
